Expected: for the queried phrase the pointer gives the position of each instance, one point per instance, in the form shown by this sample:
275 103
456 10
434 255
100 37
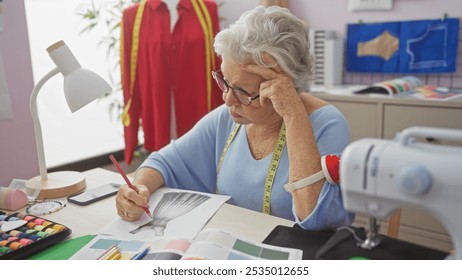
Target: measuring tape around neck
271 173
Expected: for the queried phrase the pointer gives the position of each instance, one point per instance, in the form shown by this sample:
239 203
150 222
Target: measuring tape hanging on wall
133 58
271 173
206 23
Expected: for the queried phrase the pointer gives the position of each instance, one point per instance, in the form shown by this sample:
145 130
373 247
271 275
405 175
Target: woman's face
255 112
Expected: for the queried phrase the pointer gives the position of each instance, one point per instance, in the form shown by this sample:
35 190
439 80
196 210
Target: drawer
397 118
362 118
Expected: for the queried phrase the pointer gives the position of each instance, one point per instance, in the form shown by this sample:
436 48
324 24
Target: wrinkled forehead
234 74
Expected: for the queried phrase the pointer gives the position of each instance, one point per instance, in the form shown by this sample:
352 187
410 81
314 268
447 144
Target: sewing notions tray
31 235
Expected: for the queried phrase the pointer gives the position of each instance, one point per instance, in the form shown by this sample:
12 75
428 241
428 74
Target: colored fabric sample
420 46
385 46
191 163
167 62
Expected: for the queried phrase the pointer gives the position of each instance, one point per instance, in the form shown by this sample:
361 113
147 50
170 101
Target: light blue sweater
191 163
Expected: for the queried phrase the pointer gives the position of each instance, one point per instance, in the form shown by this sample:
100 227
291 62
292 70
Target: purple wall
334 14
18 154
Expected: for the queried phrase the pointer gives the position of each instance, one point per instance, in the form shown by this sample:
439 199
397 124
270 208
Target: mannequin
153 56
172 4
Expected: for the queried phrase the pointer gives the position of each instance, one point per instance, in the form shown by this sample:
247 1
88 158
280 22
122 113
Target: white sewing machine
378 176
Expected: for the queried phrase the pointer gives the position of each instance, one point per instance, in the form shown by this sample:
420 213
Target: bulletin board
417 46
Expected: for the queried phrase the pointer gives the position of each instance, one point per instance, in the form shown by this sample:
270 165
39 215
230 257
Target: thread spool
23 241
39 233
4 250
11 244
20 234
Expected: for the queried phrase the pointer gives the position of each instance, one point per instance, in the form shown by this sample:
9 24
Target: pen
128 181
106 252
109 252
117 256
141 254
113 255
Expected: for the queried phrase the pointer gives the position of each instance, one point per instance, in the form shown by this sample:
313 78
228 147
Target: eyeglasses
242 95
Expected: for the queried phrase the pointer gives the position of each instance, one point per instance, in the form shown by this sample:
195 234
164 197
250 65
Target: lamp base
59 184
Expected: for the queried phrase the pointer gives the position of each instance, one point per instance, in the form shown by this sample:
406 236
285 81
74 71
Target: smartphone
94 194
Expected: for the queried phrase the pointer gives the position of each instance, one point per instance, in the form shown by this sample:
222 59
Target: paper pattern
415 46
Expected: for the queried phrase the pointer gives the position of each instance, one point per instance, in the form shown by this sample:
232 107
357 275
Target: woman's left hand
277 88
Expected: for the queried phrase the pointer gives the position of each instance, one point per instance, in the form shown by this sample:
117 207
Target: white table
83 220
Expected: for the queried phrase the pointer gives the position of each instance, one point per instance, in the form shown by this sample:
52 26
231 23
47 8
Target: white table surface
83 220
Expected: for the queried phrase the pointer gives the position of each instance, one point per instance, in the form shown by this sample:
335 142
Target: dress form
161 56
171 5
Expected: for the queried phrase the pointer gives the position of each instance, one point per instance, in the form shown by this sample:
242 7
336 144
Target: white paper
183 218
5 100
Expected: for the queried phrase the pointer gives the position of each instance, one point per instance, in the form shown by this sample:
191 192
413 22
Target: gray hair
275 31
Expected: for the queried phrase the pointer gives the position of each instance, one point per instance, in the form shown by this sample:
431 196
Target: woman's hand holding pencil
124 214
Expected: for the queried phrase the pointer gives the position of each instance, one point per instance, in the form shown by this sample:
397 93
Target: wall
230 10
321 15
95 130
18 154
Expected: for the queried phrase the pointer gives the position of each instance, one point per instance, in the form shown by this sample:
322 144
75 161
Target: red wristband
330 170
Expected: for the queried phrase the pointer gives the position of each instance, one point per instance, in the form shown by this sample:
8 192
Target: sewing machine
378 176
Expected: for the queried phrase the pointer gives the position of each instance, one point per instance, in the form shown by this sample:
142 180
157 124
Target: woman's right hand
130 203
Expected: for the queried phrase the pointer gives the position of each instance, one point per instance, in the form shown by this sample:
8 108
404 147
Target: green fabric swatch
63 250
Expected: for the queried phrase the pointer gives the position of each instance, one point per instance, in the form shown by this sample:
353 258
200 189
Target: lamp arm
37 126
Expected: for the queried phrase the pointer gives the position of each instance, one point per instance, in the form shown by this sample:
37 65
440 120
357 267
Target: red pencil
146 209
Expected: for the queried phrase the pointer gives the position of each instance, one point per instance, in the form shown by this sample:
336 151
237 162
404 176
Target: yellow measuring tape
271 169
133 59
206 23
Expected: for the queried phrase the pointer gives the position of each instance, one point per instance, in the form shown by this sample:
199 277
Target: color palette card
210 244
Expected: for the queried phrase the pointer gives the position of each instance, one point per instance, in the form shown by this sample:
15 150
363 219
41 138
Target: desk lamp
81 87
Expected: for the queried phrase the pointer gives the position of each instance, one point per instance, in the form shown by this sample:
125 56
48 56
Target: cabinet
383 117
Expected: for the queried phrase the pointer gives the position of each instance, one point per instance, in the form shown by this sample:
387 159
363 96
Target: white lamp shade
82 86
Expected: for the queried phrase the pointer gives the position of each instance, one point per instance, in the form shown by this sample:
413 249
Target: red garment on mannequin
167 62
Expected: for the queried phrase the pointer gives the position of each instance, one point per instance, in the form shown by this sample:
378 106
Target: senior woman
269 133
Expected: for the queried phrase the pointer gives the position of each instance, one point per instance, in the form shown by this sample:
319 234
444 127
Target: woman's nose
229 98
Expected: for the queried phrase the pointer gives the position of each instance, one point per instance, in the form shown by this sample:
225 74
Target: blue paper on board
425 46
